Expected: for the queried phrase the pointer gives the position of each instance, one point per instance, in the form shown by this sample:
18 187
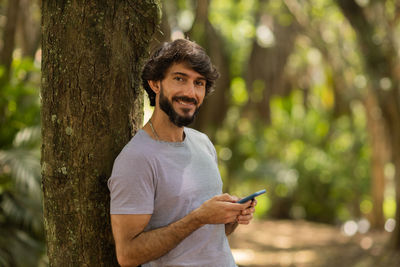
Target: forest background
307 107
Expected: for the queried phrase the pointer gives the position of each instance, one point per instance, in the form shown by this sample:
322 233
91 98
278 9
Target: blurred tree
345 92
329 41
273 43
375 24
91 105
214 109
28 27
379 157
306 157
9 39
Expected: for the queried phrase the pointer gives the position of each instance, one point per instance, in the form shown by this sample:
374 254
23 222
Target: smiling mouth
185 101
188 104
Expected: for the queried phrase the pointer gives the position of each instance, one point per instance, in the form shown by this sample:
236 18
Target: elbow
125 261
123 264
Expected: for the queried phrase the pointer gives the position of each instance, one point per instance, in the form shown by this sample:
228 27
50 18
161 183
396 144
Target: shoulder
133 162
201 140
192 133
138 148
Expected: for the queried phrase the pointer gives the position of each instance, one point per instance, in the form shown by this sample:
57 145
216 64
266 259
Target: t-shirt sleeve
131 185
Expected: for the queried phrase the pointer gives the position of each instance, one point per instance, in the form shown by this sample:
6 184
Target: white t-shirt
169 180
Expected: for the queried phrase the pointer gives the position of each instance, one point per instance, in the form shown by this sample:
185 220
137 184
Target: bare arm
230 228
135 247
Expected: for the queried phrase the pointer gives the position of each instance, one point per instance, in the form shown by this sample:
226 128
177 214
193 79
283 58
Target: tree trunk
332 55
9 38
215 106
28 32
266 66
382 64
92 103
379 157
343 96
163 34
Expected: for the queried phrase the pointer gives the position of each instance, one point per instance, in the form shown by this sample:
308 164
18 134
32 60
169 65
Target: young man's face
182 92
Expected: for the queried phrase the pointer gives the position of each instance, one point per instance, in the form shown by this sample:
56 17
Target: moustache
185 99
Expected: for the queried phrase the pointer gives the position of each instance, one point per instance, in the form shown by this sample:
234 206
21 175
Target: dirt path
304 244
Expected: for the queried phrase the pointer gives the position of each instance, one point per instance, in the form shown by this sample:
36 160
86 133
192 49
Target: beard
173 116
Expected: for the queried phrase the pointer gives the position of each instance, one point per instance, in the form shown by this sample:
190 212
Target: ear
154 85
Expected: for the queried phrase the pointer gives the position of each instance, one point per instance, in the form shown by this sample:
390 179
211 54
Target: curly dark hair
178 51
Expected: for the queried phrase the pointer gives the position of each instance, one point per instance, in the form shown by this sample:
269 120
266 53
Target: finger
244 219
235 206
250 210
247 204
245 212
240 221
244 222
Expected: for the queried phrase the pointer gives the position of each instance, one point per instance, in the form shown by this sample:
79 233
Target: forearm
153 244
230 228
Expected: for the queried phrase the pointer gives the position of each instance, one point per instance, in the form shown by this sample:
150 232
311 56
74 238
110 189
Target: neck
164 129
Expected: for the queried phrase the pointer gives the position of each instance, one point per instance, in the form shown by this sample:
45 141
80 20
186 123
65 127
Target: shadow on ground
306 244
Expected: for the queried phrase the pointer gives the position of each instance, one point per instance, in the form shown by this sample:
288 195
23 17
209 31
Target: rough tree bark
164 33
91 105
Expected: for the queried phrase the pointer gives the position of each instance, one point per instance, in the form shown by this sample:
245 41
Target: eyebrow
186 75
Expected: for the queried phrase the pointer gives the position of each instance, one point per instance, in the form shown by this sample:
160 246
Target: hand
247 215
220 209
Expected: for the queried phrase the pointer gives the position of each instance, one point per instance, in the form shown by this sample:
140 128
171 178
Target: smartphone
252 196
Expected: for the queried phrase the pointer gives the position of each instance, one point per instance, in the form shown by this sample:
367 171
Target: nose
190 90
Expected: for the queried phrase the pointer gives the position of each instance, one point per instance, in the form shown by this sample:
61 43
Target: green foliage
21 219
235 21
19 101
313 163
312 158
317 165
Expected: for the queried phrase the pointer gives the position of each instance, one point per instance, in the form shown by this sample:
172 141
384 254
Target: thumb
235 198
225 197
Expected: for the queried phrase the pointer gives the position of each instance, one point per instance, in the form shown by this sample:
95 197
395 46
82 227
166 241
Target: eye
179 79
200 83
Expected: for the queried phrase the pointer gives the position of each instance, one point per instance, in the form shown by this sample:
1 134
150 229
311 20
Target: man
167 206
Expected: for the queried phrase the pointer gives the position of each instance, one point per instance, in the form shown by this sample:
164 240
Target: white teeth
185 103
